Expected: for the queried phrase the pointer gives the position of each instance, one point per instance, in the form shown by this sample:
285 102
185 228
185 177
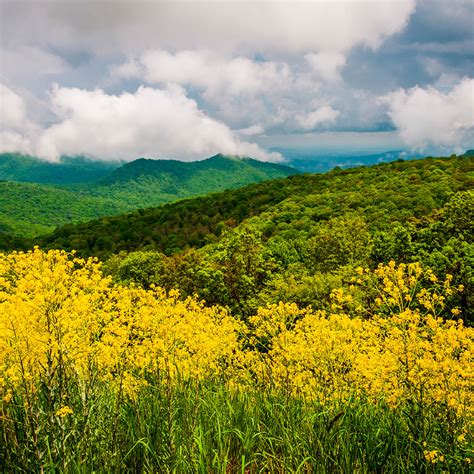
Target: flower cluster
61 319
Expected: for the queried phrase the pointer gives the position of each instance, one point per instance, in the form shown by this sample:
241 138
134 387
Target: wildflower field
107 378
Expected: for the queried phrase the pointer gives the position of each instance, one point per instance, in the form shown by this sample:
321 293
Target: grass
205 427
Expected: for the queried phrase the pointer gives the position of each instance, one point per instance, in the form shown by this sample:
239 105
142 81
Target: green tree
340 241
245 267
140 268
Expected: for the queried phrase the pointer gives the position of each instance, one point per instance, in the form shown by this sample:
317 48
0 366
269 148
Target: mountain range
308 161
401 191
36 196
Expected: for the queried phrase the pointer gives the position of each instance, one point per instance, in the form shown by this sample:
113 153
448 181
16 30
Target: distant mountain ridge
71 170
382 194
183 171
310 163
33 199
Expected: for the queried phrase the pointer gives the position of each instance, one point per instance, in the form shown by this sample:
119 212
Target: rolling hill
31 208
294 239
382 194
71 169
198 174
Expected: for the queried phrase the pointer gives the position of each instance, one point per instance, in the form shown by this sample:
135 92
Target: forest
37 196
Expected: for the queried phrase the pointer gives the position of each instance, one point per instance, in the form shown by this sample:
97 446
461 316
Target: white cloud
267 65
251 131
429 119
12 109
151 122
214 74
326 65
14 142
210 48
269 26
240 91
16 131
128 70
321 116
158 123
20 61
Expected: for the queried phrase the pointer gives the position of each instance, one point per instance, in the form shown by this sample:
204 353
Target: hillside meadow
321 323
99 377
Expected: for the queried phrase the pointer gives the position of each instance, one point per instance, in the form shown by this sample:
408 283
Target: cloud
128 70
320 116
21 61
244 92
215 74
15 128
158 123
240 91
428 119
326 65
268 26
258 68
251 131
12 109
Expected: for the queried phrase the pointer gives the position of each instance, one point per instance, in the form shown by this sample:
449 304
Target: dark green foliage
295 239
298 253
382 195
141 268
339 241
30 209
444 242
298 285
230 273
71 170
240 257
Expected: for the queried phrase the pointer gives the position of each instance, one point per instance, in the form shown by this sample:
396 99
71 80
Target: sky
118 80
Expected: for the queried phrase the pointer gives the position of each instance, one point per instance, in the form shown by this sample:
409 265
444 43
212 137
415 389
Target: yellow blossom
64 411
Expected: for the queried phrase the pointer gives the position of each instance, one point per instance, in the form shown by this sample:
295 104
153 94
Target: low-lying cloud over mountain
172 79
161 123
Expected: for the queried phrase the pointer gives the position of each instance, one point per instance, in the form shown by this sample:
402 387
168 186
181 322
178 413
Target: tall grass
205 427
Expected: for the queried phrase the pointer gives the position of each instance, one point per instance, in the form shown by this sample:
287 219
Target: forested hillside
36 196
294 239
405 192
71 169
28 209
